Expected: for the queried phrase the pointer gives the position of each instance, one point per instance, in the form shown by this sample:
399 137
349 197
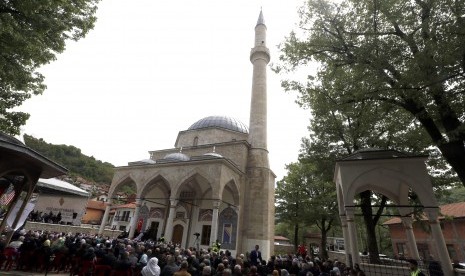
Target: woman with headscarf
152 268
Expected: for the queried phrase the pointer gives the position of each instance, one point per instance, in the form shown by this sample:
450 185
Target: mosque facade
215 184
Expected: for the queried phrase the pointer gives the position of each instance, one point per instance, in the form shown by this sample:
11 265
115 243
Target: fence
394 267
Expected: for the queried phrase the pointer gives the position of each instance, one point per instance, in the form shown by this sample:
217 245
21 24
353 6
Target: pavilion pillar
411 241
214 230
105 217
31 184
439 242
169 222
352 235
135 217
346 236
18 189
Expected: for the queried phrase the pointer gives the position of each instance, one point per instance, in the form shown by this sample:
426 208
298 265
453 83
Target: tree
323 208
31 34
305 196
408 57
72 158
292 202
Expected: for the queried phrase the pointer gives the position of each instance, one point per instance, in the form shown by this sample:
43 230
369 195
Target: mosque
215 184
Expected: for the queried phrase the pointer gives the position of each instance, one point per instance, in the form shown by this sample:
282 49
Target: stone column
346 236
135 217
169 222
412 243
105 217
352 235
439 242
214 230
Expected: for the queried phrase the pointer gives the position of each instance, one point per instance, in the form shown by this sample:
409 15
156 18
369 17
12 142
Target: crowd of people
103 256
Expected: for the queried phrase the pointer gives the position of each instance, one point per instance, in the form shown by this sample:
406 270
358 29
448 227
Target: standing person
255 256
414 270
183 270
152 268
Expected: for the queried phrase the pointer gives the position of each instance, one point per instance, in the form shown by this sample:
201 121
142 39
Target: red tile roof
455 210
96 204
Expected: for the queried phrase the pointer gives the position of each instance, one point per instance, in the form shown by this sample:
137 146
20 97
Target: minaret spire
260 20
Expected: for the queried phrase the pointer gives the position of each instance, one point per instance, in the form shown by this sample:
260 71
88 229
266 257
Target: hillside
81 167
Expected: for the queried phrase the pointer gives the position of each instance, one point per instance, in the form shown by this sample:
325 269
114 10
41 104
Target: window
122 228
125 216
196 141
451 250
206 231
401 249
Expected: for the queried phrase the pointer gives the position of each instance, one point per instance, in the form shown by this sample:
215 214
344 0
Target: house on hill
452 222
123 215
94 212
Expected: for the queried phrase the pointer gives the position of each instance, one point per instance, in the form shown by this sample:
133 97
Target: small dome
221 122
142 162
213 154
177 156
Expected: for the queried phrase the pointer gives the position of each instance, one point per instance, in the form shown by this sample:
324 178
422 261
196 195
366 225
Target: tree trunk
324 234
296 236
370 224
454 153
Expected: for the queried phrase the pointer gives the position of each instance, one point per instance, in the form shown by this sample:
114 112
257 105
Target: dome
221 122
177 156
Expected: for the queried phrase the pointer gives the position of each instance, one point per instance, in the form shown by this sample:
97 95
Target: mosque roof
376 153
220 122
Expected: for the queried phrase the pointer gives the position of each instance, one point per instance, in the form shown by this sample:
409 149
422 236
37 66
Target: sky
150 69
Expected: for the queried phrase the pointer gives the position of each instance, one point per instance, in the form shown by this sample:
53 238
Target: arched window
196 141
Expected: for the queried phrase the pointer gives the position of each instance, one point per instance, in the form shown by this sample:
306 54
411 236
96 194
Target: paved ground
22 273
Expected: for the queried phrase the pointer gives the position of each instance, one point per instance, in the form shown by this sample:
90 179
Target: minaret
258 223
259 56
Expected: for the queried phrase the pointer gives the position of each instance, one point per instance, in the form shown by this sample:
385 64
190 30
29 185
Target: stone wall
85 229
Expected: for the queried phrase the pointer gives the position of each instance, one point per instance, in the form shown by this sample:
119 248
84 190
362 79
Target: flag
15 212
227 231
7 196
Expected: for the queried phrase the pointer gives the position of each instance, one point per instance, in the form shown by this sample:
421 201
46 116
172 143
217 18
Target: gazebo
393 174
22 167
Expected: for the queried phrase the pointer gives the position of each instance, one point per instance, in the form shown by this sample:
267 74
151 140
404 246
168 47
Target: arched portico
393 174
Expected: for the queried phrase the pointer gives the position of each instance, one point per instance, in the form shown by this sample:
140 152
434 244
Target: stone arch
390 185
157 180
232 187
197 181
123 180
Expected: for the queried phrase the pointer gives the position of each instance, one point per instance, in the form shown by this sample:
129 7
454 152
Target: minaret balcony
260 52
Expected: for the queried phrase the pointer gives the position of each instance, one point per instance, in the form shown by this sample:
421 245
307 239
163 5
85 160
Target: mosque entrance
153 230
177 234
